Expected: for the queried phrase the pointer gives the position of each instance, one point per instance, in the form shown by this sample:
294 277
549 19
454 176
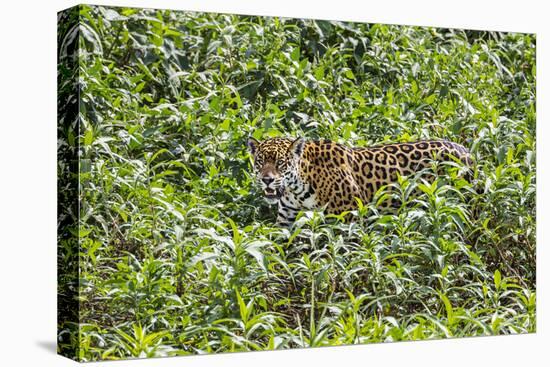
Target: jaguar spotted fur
299 174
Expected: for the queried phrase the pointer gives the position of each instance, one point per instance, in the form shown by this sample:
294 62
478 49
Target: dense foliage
179 253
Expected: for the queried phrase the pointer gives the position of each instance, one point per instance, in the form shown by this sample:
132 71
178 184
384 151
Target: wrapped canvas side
68 135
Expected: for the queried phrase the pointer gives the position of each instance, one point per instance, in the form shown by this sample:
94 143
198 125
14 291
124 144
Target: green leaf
430 99
88 136
349 74
295 55
225 125
497 279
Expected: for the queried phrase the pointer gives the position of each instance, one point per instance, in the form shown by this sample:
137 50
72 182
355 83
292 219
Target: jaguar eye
280 162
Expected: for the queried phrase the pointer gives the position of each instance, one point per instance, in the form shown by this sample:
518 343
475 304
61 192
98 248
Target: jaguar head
275 164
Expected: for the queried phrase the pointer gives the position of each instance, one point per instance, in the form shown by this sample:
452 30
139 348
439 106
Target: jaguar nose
268 180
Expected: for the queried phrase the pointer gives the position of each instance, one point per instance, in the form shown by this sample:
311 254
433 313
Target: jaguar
300 175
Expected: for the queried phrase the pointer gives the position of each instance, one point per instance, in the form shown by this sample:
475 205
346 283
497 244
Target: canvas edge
68 166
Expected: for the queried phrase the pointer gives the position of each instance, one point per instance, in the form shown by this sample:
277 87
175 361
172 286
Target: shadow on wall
48 345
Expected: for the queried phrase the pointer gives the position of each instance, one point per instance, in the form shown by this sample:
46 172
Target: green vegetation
179 253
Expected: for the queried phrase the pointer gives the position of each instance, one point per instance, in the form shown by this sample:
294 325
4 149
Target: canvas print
232 183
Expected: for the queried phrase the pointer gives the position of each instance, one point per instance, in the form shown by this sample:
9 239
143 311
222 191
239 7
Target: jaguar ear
253 145
297 147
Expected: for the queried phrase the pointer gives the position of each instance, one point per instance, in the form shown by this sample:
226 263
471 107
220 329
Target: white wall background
28 180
